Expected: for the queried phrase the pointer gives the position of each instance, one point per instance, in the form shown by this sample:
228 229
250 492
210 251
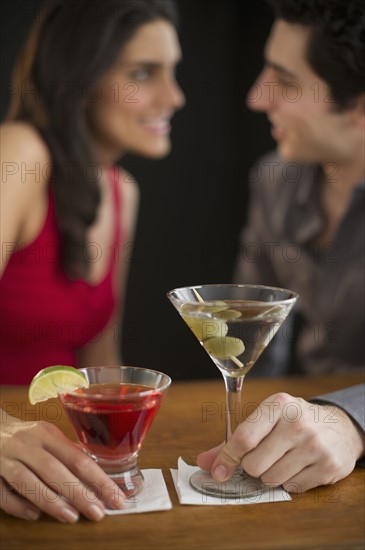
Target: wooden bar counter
191 420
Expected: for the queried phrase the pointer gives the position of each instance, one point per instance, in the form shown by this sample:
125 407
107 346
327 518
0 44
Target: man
306 228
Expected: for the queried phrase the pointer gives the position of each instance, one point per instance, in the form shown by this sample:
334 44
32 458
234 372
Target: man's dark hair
336 51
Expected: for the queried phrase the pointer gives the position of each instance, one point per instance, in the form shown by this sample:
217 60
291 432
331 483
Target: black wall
193 203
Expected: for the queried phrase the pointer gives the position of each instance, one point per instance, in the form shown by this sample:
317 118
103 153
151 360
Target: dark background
194 202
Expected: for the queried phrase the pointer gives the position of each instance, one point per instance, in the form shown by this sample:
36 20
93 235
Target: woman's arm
24 169
40 469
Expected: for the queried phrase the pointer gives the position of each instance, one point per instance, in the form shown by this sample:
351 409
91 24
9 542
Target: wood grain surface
191 420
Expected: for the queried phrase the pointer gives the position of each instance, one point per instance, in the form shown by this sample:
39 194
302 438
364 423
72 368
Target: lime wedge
51 381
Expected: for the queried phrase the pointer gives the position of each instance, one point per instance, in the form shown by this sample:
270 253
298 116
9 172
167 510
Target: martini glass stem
233 412
233 403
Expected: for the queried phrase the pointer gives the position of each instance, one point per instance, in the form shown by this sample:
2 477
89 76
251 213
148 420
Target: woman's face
138 95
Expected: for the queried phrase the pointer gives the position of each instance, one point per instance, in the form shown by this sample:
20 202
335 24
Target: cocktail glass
234 324
111 418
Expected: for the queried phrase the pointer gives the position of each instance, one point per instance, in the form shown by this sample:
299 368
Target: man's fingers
247 437
285 441
284 469
273 450
205 460
304 480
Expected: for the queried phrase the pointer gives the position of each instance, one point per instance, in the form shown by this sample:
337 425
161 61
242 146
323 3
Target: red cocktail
109 428
113 415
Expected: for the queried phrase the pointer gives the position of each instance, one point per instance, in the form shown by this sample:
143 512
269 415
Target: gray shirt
325 333
351 400
277 249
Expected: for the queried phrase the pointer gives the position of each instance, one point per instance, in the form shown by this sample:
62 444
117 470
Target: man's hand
288 441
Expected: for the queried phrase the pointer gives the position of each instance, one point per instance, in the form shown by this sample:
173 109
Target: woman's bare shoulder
21 142
25 162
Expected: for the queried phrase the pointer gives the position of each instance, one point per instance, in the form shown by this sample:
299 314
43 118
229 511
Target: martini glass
234 324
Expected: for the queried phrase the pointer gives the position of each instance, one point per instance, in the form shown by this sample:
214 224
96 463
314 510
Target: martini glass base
240 485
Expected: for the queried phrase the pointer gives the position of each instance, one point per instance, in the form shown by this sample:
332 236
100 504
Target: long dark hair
336 49
71 45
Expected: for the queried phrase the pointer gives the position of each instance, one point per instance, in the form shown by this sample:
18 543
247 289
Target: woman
95 81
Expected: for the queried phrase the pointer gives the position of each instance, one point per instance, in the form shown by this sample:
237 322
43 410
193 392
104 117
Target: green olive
209 307
224 348
213 307
189 308
207 328
228 314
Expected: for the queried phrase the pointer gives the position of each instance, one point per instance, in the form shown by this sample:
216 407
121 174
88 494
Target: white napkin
153 496
188 495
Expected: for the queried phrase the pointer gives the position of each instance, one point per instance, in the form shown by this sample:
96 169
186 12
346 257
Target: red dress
44 316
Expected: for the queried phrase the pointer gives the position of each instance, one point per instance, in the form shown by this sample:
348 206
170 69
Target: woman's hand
43 471
291 442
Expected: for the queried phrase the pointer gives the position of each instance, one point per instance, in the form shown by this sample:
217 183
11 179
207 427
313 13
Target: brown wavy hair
336 50
71 45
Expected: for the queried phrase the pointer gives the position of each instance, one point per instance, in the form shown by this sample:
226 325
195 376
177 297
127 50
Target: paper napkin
188 495
153 496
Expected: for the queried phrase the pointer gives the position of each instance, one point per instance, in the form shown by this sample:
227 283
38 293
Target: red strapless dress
44 316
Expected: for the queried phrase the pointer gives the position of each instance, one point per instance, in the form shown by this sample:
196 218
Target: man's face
298 103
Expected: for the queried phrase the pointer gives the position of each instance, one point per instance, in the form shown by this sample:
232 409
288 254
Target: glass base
123 471
241 485
130 482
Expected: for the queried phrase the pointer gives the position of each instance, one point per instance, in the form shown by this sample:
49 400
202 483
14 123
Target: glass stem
233 403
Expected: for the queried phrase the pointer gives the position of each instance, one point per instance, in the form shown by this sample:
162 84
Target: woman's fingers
26 484
43 466
16 505
90 482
